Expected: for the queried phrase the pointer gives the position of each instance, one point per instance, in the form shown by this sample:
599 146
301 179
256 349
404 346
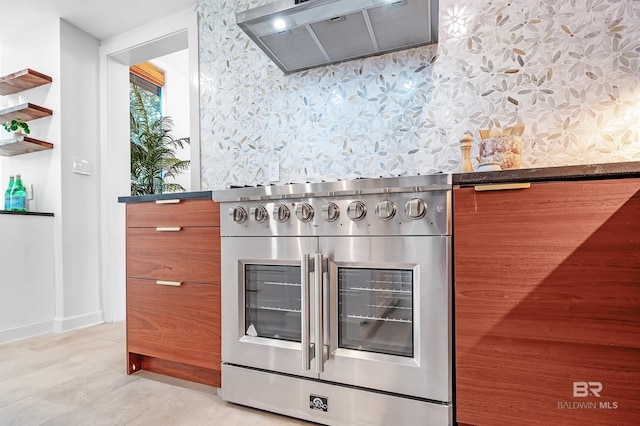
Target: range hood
302 34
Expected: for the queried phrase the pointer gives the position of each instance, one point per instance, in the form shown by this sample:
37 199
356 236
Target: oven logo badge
319 403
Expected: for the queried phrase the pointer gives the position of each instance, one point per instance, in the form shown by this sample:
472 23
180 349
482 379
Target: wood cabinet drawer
179 324
191 254
198 212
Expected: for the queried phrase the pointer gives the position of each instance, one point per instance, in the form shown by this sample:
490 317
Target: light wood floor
78 378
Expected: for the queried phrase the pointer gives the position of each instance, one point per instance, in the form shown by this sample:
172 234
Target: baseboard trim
78 321
57 325
26 331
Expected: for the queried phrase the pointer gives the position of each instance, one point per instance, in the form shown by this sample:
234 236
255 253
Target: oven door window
272 301
375 308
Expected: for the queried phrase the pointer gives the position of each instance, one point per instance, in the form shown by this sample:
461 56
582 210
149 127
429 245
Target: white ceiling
100 18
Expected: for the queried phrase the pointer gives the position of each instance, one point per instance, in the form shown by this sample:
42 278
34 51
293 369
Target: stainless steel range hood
303 34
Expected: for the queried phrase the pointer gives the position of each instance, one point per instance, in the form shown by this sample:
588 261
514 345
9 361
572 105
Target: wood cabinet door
179 323
190 254
547 304
195 212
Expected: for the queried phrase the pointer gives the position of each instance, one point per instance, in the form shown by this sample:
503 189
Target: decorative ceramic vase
505 150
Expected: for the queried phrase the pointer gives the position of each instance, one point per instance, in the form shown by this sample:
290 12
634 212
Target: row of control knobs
356 210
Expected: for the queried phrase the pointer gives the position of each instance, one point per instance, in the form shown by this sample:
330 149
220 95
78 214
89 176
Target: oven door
387 307
265 287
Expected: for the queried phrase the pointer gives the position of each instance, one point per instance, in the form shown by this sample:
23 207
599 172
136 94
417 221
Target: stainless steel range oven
336 300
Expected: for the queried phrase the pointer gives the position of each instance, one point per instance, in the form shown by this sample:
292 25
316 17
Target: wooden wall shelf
24 112
22 80
13 83
22 145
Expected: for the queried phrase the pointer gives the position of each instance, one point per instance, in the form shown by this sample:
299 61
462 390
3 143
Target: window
150 81
154 160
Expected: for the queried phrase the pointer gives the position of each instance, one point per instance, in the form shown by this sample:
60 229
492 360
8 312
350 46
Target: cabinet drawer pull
173 283
502 186
172 201
168 228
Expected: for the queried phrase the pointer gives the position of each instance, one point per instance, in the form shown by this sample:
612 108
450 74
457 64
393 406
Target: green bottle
18 196
7 195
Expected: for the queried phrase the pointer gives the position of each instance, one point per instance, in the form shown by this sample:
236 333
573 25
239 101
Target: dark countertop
629 169
170 196
27 213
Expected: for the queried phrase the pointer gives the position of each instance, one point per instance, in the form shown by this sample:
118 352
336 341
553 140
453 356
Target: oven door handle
304 312
319 324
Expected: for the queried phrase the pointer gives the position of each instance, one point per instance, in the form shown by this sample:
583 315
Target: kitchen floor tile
78 378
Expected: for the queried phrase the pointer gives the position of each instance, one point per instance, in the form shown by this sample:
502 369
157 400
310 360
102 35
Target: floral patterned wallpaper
569 69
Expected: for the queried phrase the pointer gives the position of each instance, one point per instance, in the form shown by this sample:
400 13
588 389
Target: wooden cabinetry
14 83
547 295
173 289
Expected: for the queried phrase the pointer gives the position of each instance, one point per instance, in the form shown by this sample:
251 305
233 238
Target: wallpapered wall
569 69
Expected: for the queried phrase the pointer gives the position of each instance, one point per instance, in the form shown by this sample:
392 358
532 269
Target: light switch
81 166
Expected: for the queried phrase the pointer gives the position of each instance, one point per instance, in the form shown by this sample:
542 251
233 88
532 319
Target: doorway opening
159 125
164 37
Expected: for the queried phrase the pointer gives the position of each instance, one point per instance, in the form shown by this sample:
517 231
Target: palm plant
153 158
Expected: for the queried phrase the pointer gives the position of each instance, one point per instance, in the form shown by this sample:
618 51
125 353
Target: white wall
83 242
80 216
41 168
175 98
27 284
70 57
39 49
115 156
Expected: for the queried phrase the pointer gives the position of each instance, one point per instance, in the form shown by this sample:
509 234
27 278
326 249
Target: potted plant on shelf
153 156
18 127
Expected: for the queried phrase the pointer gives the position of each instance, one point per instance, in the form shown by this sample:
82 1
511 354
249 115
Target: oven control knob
356 210
304 212
385 209
416 208
238 214
281 213
330 212
259 214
